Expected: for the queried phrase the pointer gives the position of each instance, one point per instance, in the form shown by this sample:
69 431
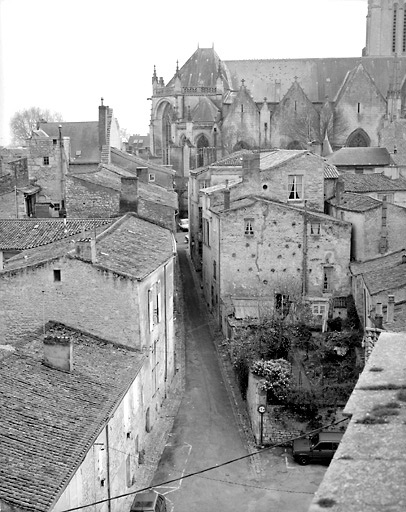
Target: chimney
378 315
129 194
251 167
226 197
102 125
58 352
85 249
339 191
391 309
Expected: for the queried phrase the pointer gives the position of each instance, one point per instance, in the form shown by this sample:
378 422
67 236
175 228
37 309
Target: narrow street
205 433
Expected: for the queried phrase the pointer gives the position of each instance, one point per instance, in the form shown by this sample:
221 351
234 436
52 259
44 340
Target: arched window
166 133
202 143
358 139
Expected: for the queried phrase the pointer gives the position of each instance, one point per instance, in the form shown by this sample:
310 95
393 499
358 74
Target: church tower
386 28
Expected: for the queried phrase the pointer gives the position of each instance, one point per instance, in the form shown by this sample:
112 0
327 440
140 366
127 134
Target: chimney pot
58 352
86 249
129 194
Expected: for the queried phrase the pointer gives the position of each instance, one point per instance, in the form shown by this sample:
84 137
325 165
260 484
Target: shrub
301 402
277 377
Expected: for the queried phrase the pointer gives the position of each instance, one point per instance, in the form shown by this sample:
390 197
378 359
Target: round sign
261 409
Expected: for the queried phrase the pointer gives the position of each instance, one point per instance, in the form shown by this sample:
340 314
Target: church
213 107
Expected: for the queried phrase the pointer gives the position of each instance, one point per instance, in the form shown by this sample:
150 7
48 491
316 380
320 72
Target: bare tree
24 121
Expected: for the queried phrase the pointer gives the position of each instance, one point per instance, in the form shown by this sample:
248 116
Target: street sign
261 409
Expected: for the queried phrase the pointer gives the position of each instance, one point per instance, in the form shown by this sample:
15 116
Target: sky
65 55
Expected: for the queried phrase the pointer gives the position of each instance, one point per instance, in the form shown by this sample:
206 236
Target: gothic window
295 187
166 133
404 32
202 143
357 139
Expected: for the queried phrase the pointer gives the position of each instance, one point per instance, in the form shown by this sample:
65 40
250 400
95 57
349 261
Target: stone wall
88 200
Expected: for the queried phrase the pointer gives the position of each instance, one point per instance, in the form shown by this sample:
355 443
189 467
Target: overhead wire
204 470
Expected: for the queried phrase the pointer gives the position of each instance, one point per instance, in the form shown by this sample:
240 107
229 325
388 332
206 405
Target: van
149 501
319 447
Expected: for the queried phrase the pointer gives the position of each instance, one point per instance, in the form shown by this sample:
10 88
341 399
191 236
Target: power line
195 473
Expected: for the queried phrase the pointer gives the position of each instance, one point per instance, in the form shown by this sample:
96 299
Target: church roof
205 111
319 78
200 70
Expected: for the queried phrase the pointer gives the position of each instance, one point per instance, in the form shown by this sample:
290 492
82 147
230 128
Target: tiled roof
134 247
131 246
20 234
374 156
84 138
388 260
278 157
110 176
49 418
356 202
384 279
371 183
221 186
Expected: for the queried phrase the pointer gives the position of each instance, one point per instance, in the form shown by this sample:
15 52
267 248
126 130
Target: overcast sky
66 55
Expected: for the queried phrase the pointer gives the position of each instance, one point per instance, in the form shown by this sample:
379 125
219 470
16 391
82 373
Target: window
54 141
154 305
46 160
150 310
394 22
249 227
151 177
315 228
56 207
327 275
295 187
157 311
206 232
214 270
204 184
318 309
154 366
57 275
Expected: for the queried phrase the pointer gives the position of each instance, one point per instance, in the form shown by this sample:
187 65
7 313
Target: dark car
149 501
320 447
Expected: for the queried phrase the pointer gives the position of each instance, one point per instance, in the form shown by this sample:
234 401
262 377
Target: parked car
149 501
320 447
183 224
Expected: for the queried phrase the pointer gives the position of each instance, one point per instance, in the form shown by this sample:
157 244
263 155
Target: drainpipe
304 259
108 469
163 300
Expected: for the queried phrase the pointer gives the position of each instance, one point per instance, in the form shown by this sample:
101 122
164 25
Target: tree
24 121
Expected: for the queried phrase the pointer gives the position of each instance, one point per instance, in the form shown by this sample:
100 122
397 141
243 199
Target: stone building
212 107
117 285
378 227
76 412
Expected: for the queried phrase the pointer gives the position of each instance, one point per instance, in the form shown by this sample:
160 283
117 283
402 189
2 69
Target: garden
309 374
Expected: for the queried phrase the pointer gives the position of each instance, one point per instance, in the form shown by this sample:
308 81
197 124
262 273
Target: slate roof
205 111
356 202
20 234
373 156
279 157
330 171
49 419
140 162
131 247
84 137
371 183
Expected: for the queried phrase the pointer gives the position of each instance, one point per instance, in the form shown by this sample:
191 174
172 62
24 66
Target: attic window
57 275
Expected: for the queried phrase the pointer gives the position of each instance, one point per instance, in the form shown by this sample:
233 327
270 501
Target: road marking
285 455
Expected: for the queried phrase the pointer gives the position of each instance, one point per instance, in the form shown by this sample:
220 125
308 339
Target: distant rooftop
356 202
371 183
369 156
